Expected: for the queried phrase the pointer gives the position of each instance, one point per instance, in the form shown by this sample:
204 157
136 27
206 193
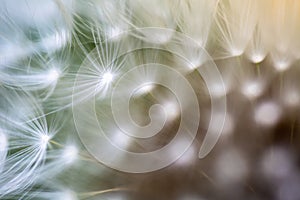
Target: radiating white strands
3 149
33 42
29 136
110 17
113 18
281 26
153 13
40 74
194 18
128 71
49 22
59 159
100 68
189 54
258 46
236 21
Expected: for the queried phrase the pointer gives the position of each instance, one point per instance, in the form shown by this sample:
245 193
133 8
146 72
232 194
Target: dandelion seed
194 18
110 18
236 23
191 51
39 74
29 135
258 46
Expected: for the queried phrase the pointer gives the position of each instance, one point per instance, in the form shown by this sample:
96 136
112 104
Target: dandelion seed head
267 114
37 35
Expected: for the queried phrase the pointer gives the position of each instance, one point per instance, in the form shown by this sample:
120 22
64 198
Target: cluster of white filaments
134 74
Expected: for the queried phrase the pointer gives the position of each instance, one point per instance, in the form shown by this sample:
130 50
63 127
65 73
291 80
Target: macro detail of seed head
149 99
